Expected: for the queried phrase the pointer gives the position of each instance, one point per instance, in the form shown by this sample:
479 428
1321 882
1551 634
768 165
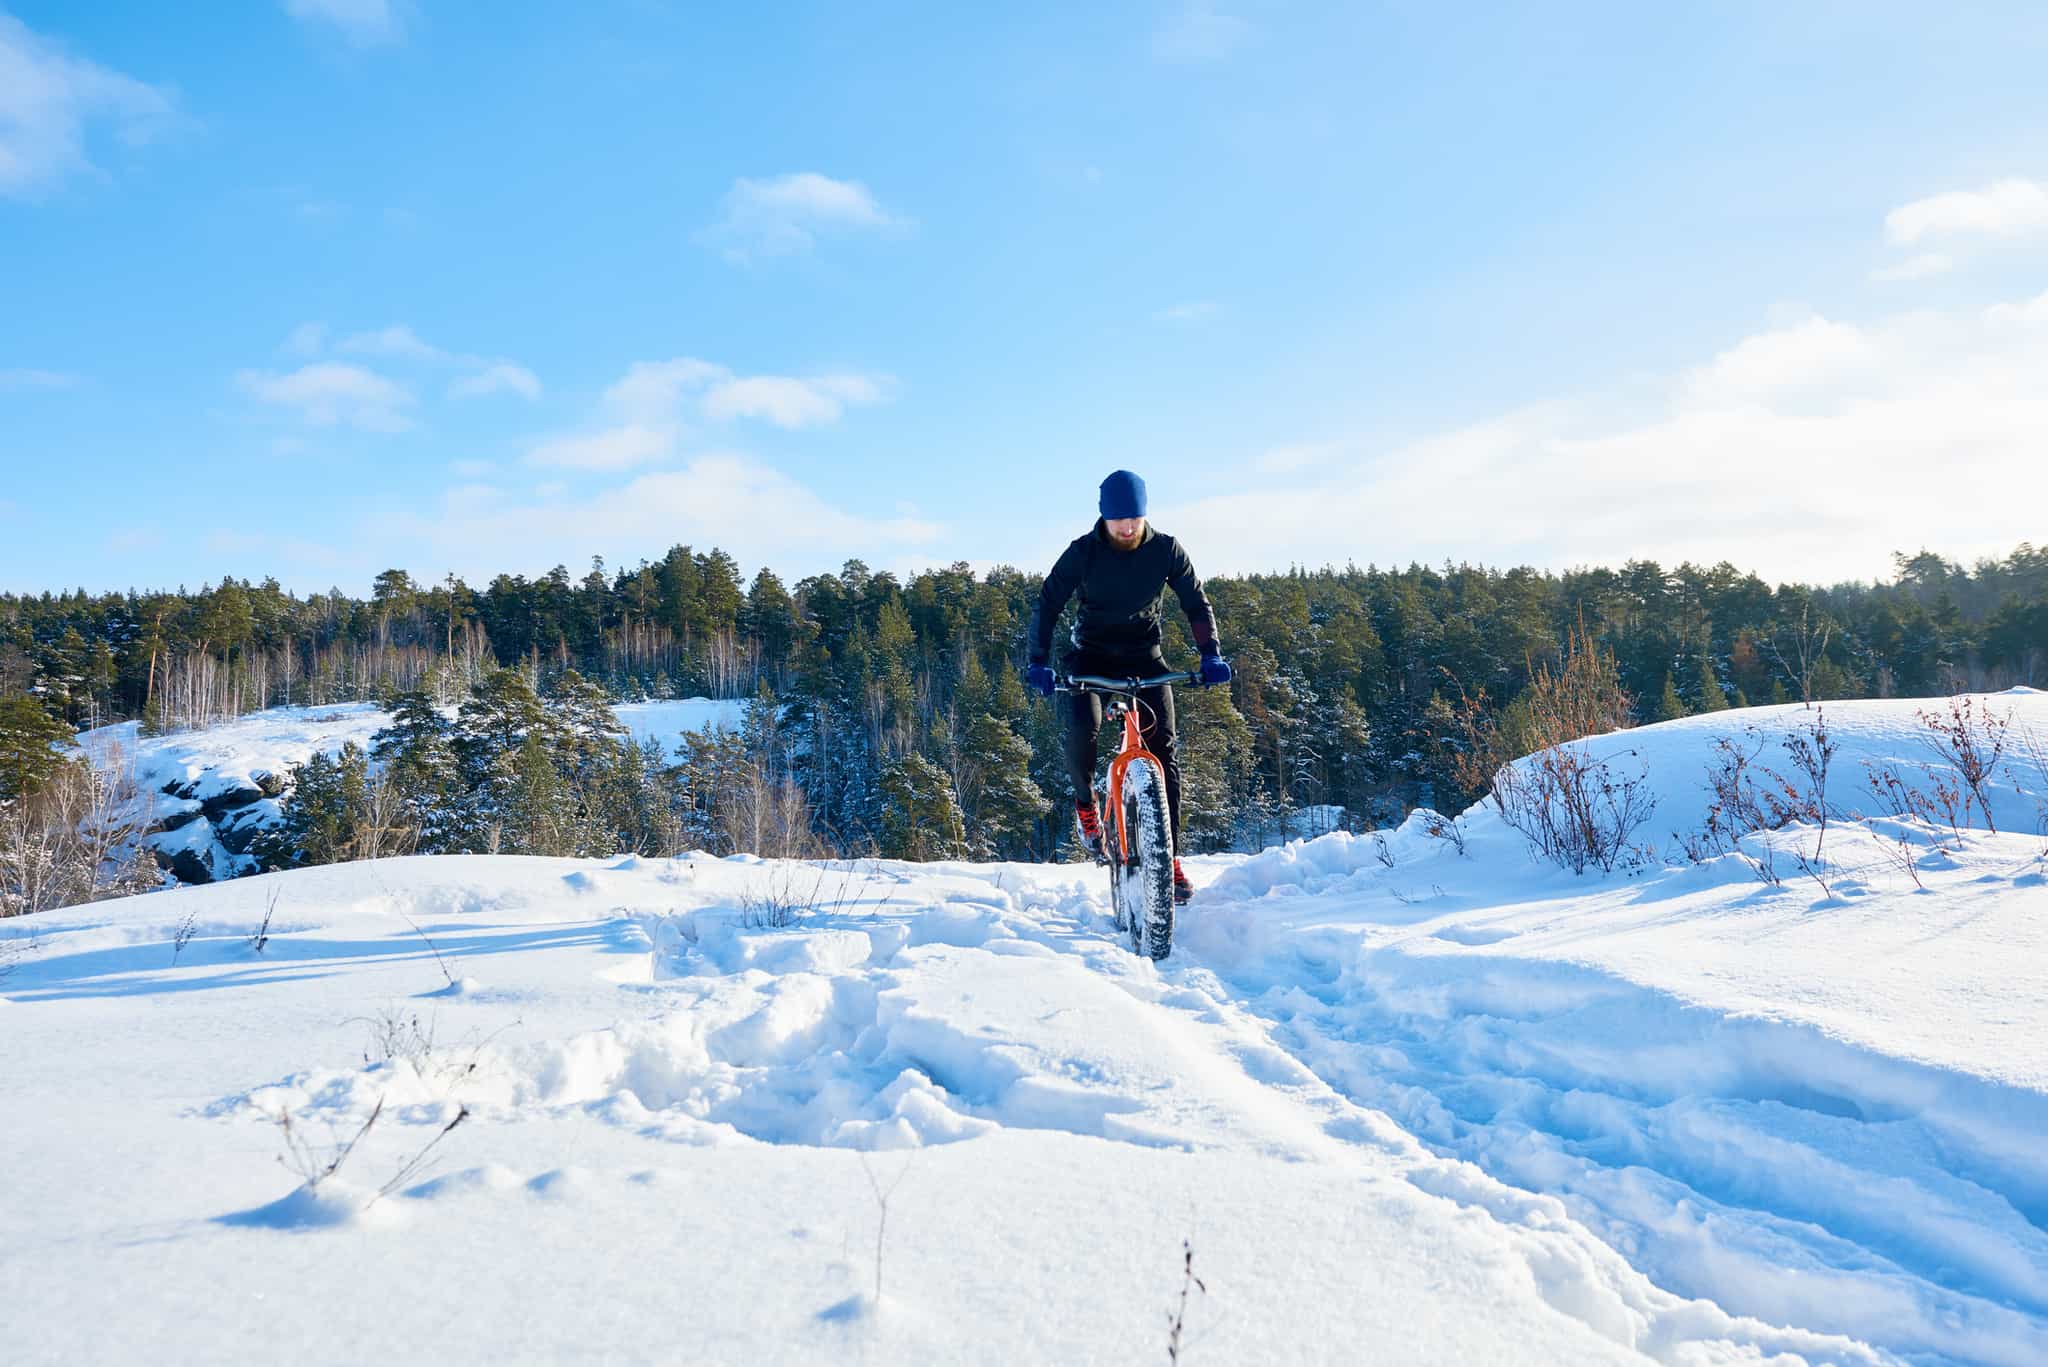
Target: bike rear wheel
1142 877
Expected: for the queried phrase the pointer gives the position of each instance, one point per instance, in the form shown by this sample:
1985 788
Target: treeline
877 690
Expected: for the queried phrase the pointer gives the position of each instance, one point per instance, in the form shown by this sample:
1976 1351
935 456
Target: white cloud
748 508
653 391
364 23
306 339
398 341
2006 209
787 402
1196 35
661 392
49 100
500 377
1921 429
473 469
486 375
612 449
1916 267
331 393
37 379
1810 354
2027 313
784 214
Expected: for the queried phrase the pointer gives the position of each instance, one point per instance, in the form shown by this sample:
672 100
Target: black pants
1155 720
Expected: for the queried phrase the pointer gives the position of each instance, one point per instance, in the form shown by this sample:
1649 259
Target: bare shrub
1177 1318
260 938
396 1034
882 1196
311 1160
78 838
1437 826
2039 790
187 928
1573 810
781 897
1381 850
1972 743
1813 754
1581 697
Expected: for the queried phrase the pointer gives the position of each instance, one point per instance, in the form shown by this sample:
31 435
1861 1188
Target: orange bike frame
1133 748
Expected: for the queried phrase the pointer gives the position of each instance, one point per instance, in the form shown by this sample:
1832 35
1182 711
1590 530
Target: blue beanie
1123 495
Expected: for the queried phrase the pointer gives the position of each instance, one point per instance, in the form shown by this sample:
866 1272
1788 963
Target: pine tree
417 757
920 815
998 800
28 740
1670 706
1712 699
536 808
323 818
494 722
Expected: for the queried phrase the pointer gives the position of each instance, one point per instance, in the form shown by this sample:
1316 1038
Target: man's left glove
1041 678
1215 669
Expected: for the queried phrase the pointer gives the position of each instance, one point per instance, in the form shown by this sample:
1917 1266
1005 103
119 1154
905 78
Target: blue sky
318 287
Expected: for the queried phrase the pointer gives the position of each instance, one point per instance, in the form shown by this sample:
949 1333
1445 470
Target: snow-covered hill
1402 1104
204 796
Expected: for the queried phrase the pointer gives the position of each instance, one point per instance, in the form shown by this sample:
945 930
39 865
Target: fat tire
1144 895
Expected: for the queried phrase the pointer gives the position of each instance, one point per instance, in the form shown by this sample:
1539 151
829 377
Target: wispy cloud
647 411
1918 267
38 379
398 341
747 507
2026 313
332 393
2006 209
785 214
788 402
625 447
50 100
365 23
1808 354
485 375
500 377
1197 34
1787 452
305 340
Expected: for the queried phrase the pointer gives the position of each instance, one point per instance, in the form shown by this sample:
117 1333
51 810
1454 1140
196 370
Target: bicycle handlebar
1098 683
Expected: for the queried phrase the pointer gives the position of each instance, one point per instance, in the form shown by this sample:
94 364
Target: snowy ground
1448 1108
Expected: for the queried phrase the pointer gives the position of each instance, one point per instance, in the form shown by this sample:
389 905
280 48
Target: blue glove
1040 677
1215 669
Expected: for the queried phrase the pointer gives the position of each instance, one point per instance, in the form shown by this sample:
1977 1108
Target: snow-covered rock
205 796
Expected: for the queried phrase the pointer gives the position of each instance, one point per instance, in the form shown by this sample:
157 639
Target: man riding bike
1119 569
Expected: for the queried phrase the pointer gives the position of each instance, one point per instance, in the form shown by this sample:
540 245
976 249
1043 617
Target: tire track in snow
1754 1163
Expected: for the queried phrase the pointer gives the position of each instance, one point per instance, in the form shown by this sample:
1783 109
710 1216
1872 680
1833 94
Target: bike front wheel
1143 874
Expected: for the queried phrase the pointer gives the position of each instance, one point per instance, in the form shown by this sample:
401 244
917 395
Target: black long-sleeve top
1120 596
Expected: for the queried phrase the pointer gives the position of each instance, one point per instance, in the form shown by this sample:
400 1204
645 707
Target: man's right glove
1215 669
1041 678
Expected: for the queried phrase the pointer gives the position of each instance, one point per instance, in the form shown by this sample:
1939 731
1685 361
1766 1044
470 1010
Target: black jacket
1120 595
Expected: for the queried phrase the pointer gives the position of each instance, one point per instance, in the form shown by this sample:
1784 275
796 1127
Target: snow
1404 1105
211 780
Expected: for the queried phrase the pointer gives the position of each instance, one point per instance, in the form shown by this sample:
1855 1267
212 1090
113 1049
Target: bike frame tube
1134 740
1133 749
